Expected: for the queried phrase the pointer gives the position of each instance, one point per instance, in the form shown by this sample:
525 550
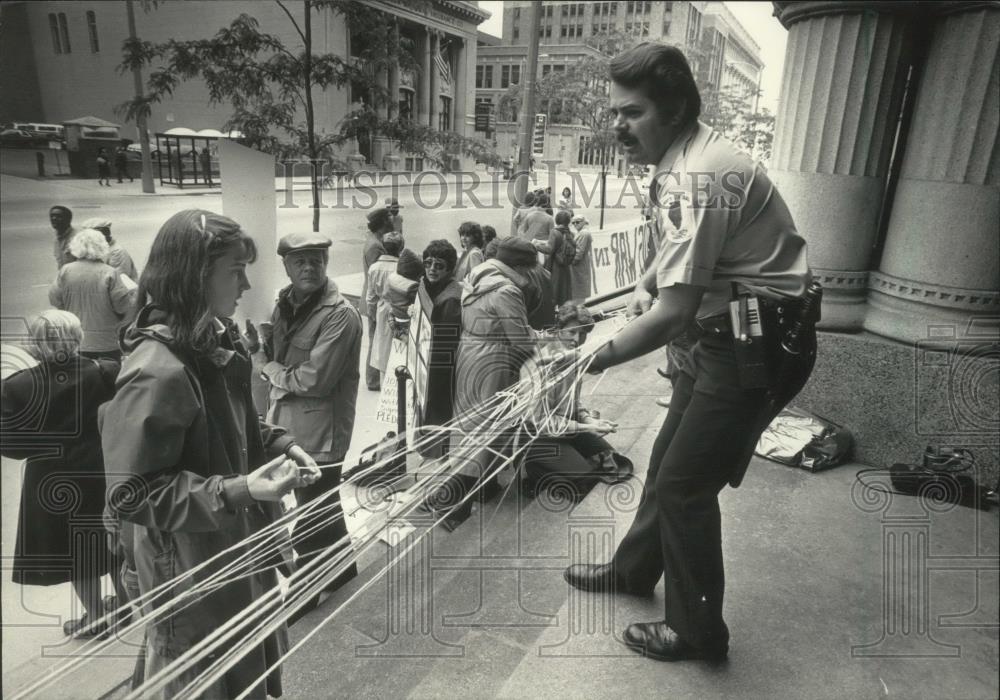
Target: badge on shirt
675 228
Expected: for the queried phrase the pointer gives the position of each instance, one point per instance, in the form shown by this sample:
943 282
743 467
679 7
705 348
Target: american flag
444 68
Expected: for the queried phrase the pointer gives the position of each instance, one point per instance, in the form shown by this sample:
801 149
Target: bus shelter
189 158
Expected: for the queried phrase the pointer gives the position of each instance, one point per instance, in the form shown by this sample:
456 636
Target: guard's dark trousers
706 441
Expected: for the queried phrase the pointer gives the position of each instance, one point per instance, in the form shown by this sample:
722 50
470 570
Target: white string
510 410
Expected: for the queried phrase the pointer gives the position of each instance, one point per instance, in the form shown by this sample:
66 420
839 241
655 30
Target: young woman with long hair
185 452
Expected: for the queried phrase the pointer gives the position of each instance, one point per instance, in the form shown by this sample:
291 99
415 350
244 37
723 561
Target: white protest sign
619 256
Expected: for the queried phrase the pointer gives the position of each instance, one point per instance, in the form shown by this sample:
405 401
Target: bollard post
40 162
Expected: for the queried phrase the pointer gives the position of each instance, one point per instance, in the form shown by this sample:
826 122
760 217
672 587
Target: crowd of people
157 379
147 387
494 302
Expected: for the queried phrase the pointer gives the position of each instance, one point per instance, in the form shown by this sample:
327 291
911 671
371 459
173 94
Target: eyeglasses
435 265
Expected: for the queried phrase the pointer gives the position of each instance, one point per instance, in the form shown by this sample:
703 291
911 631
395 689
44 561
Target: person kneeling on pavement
569 456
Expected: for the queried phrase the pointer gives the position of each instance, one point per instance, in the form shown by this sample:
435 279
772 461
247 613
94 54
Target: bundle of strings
512 412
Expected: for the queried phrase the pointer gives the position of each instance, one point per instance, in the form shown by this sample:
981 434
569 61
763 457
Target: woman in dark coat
49 417
445 293
496 340
185 453
559 251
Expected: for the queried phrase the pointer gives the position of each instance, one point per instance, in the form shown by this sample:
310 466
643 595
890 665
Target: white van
43 132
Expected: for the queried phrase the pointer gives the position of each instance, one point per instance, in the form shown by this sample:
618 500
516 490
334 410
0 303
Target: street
26 236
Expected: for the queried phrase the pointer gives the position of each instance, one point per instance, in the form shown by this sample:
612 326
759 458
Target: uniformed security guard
733 263
312 366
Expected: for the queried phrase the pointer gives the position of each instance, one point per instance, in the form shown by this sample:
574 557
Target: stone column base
381 147
912 311
392 163
355 162
844 299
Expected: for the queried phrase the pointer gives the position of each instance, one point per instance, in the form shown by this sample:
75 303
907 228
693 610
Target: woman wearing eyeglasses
440 259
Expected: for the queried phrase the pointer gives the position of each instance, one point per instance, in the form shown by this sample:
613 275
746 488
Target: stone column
381 146
459 88
940 265
843 81
424 85
394 82
391 161
434 80
382 80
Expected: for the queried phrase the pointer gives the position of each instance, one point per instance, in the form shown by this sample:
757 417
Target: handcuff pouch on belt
767 333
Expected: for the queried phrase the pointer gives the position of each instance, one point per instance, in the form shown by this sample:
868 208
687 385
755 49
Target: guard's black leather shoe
599 578
657 641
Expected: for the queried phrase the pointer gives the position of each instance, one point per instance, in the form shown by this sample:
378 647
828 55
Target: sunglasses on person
435 265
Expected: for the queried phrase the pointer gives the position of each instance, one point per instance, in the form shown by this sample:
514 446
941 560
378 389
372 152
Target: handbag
798 438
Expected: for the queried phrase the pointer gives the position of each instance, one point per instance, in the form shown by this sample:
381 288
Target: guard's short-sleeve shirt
721 220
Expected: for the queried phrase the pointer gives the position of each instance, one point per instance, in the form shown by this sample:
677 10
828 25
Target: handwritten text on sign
619 257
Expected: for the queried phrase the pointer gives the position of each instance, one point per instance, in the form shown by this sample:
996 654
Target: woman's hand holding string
301 457
277 478
598 426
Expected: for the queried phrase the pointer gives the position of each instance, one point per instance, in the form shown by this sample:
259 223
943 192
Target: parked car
43 133
136 149
16 137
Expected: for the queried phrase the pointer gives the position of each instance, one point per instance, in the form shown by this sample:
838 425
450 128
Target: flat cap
97 222
302 241
516 252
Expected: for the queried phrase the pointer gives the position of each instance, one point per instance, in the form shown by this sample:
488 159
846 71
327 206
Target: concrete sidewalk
833 592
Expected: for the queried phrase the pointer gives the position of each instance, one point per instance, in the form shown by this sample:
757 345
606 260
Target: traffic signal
538 137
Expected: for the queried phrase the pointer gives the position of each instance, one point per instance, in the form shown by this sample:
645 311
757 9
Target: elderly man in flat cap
312 356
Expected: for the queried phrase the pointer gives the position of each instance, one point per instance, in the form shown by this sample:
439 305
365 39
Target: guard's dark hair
176 273
664 74
442 250
563 217
60 207
473 231
529 199
489 233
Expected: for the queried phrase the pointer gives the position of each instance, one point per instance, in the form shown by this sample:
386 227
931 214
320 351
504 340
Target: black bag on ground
800 439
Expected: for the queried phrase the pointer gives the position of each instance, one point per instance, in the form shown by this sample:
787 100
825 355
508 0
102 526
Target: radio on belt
748 340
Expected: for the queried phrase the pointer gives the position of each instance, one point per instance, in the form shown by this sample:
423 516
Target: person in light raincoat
378 282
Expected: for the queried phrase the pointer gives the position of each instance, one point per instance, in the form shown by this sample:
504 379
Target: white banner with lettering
619 256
